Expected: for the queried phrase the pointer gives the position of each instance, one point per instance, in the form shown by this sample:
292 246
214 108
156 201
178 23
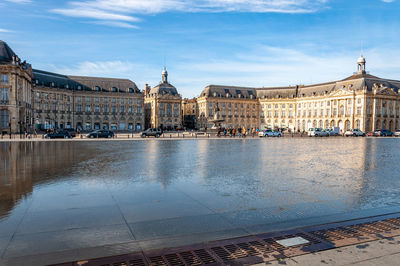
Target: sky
253 43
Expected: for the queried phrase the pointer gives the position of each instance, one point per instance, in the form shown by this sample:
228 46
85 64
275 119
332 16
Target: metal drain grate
262 248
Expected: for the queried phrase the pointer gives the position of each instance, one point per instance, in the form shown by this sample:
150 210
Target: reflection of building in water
15 181
26 164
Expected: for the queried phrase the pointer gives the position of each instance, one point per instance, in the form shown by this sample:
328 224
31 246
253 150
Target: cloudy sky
228 42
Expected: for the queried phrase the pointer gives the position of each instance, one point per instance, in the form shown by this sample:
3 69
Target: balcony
4 102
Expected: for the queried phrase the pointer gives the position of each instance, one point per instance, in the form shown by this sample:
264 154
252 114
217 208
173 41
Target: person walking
234 132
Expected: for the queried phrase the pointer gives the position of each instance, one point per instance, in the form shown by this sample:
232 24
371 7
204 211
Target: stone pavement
380 252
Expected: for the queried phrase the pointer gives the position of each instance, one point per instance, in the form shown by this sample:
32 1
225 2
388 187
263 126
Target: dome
164 88
6 53
361 60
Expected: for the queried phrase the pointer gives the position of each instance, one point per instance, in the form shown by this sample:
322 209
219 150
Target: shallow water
156 189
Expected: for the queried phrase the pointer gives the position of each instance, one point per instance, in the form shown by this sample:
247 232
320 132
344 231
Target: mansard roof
49 79
229 92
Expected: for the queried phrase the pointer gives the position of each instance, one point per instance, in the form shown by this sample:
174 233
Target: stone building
15 92
163 105
239 106
189 113
39 100
87 103
360 101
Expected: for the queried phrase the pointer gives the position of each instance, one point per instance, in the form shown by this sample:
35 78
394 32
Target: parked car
269 133
370 134
333 131
397 133
317 132
71 131
58 134
354 133
152 132
383 133
101 133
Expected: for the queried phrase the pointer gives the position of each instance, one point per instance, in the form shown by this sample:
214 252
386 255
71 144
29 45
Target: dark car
383 133
101 133
58 134
71 131
152 132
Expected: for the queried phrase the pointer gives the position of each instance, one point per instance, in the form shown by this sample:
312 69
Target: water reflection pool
58 196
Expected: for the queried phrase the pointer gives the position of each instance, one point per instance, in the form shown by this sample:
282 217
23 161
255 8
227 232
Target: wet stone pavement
64 201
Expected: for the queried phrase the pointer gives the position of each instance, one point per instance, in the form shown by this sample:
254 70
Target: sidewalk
379 252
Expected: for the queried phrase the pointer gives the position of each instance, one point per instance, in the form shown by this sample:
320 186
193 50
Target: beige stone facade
238 106
38 100
15 92
190 112
360 101
87 103
163 105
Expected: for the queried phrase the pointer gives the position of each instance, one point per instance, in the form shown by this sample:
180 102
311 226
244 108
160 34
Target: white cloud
4 30
127 10
20 1
388 1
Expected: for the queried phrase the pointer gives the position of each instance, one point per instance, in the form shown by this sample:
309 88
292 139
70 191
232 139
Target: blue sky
228 42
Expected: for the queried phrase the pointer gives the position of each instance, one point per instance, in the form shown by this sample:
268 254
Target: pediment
341 92
386 91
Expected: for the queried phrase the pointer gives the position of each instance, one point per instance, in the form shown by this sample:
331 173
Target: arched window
97 88
114 89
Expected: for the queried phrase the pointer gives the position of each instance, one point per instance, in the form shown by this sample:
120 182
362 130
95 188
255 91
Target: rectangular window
105 100
122 109
358 110
130 101
130 109
97 108
88 108
4 95
105 108
122 101
88 100
78 99
138 110
114 109
79 108
4 79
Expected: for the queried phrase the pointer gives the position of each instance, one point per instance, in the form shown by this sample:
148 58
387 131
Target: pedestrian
234 132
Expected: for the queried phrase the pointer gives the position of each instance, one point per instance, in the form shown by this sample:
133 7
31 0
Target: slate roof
49 79
229 92
6 52
164 88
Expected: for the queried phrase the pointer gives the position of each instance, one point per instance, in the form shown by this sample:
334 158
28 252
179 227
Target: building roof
229 92
49 79
6 53
164 88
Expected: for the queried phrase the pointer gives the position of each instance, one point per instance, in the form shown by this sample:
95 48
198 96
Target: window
105 108
358 111
130 109
130 101
88 100
138 102
88 108
122 109
114 109
138 110
114 89
97 88
79 88
114 100
359 100
4 79
78 99
4 95
97 108
131 90
79 108
105 100
96 100
4 118
122 101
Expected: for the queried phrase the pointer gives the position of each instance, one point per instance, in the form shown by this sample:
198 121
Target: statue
217 118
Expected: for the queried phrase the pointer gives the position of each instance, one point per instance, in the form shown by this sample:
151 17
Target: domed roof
361 60
6 53
164 88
